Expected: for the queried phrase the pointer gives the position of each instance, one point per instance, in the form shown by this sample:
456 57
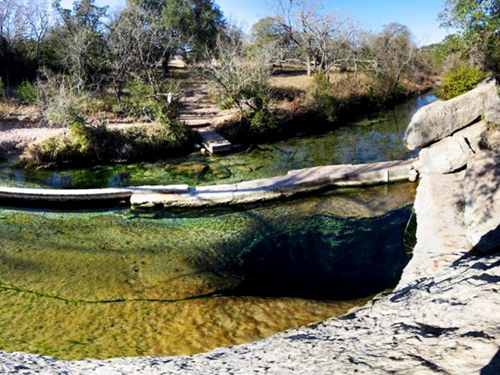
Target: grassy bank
84 145
302 104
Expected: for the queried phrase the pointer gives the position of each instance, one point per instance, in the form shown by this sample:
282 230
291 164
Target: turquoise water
375 138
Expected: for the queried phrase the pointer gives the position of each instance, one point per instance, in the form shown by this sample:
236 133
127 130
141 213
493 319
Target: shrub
61 100
327 103
86 145
261 123
28 93
460 80
2 89
146 101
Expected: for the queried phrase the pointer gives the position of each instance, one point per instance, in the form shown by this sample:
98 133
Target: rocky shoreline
442 318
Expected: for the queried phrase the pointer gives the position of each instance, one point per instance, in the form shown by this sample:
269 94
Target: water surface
119 283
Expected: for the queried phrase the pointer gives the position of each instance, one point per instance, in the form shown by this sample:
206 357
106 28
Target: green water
376 138
120 283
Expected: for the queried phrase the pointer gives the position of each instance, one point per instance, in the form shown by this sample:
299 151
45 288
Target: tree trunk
308 63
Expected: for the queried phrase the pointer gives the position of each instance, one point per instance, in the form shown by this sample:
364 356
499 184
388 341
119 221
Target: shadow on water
102 284
323 257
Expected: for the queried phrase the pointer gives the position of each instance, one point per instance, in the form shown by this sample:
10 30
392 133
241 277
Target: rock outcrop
482 201
452 153
443 118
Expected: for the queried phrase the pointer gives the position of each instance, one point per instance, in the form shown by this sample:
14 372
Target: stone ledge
293 183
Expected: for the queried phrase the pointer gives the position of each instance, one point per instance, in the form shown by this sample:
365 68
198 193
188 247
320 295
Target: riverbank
293 114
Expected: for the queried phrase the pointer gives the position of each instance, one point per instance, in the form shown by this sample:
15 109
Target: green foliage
28 93
479 22
460 80
437 54
86 145
145 101
82 35
261 123
196 22
2 89
327 103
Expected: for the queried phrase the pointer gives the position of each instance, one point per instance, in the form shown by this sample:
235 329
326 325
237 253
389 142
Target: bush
147 102
28 93
61 100
261 123
327 103
460 80
87 145
2 89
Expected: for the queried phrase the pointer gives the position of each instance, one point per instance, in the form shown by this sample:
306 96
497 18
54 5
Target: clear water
119 283
376 138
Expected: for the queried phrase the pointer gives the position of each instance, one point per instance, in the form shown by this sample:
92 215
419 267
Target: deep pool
120 283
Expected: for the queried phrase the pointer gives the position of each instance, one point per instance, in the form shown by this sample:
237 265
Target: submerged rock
443 118
482 205
452 153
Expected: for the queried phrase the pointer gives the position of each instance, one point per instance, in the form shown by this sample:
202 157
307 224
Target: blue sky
419 15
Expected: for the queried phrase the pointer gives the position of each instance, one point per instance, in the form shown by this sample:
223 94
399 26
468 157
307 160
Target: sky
419 15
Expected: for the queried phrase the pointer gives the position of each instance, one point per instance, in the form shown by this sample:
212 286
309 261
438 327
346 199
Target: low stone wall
183 196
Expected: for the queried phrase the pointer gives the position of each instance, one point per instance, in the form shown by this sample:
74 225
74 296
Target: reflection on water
119 283
375 138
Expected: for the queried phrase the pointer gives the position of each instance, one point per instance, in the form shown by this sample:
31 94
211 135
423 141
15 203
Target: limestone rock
482 205
492 110
441 237
452 153
443 118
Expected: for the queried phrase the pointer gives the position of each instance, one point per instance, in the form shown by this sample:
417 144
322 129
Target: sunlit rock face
452 153
482 201
443 118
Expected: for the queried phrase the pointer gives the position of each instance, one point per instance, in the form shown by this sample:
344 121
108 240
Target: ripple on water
107 284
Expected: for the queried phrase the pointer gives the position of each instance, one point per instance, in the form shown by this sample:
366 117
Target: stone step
197 123
214 142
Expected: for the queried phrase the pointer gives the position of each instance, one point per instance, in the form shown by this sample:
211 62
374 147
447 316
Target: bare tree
38 20
140 44
320 40
238 74
392 53
12 22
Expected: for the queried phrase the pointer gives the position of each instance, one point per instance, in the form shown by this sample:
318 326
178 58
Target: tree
196 23
239 75
392 53
479 22
321 40
82 36
140 45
